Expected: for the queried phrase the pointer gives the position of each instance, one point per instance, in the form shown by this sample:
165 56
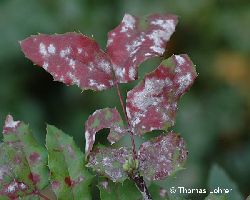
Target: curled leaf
152 104
69 177
136 40
23 162
100 119
71 58
161 156
109 162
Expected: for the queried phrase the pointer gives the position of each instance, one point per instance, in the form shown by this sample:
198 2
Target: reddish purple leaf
152 104
71 58
162 156
100 119
136 40
109 162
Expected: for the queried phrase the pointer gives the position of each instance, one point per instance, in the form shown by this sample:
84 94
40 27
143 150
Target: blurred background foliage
213 117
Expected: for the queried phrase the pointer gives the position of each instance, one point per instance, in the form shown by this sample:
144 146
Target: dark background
213 117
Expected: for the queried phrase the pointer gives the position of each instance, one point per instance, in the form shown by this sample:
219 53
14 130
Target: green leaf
23 162
118 191
219 181
69 177
216 197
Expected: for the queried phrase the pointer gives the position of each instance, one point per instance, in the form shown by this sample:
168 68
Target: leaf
136 40
23 162
162 156
219 179
117 191
109 162
69 177
216 197
71 58
157 95
100 119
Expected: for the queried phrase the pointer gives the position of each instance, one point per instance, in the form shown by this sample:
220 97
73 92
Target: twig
127 120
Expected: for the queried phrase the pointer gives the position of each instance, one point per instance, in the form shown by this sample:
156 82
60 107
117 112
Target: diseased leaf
69 177
116 191
103 118
71 58
109 162
161 156
136 40
152 104
23 162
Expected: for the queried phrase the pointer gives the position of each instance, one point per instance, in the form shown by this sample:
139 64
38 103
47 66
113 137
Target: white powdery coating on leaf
79 50
168 25
128 22
88 138
45 65
72 63
131 72
135 46
143 99
105 66
184 81
51 49
180 60
120 72
65 52
42 49
93 83
160 36
12 187
10 123
74 79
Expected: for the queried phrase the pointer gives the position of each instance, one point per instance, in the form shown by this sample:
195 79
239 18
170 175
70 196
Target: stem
126 117
135 176
141 185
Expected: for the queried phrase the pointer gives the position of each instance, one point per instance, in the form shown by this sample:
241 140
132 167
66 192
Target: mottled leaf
152 104
100 119
162 156
117 191
109 162
136 40
71 58
23 162
69 176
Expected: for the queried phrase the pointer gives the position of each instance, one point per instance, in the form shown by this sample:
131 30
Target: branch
126 117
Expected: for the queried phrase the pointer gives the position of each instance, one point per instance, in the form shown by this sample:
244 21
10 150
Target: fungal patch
180 60
97 85
65 52
51 49
74 79
42 49
45 65
167 25
10 123
120 72
79 50
184 81
128 23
